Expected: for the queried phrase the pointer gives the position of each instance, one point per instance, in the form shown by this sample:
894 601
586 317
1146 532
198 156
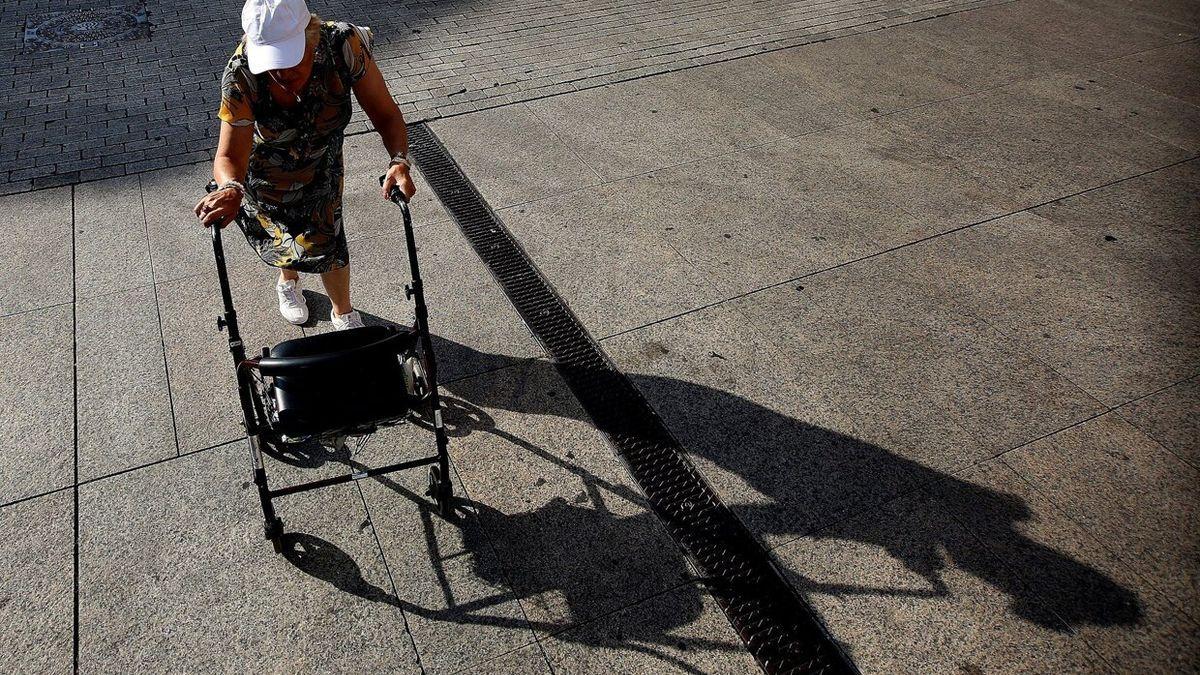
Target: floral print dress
292 215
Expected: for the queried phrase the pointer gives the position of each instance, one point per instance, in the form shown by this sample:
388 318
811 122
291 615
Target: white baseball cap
274 33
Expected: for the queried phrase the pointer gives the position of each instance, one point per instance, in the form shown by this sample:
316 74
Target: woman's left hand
398 176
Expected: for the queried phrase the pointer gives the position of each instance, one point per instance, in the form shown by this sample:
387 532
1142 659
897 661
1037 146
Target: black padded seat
358 383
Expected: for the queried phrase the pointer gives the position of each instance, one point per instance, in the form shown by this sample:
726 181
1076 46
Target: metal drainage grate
775 624
85 27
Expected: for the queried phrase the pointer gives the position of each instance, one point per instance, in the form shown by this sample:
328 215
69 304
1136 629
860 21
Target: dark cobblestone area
123 108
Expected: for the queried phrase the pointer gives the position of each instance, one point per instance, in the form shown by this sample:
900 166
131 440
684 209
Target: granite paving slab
944 387
456 599
1091 31
37 427
513 157
1127 490
36 584
906 589
1182 12
124 406
175 575
606 256
996 40
179 245
524 661
1142 228
919 179
877 73
365 212
647 124
1117 612
572 536
203 385
772 444
1031 148
770 214
782 92
1171 70
681 630
474 325
35 264
1171 417
1112 326
112 252
1130 103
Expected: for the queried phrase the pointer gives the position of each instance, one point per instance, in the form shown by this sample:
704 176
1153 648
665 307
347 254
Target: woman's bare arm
231 162
376 100
233 153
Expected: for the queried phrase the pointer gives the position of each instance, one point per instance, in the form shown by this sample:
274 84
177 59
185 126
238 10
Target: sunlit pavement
921 304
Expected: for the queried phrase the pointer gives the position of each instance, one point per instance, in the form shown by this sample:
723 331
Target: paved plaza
134 105
919 300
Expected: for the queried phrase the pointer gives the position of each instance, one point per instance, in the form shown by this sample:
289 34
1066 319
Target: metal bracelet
235 185
400 158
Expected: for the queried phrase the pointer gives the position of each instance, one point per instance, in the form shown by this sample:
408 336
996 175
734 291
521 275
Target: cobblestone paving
79 115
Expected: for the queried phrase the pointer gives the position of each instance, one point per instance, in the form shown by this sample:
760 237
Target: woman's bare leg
288 275
337 286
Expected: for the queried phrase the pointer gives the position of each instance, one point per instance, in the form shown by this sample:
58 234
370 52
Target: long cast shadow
810 475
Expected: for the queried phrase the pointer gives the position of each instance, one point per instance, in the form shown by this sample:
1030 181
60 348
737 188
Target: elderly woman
285 104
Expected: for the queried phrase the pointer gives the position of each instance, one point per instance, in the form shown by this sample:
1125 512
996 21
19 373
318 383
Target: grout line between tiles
37 309
162 340
412 639
74 441
1149 435
29 498
959 472
893 249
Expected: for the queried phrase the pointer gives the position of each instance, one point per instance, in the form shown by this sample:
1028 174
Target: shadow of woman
814 478
811 477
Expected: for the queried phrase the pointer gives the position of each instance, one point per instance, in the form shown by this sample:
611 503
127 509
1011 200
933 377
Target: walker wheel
273 529
441 491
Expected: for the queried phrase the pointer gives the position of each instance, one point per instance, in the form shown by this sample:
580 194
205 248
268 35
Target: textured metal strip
775 624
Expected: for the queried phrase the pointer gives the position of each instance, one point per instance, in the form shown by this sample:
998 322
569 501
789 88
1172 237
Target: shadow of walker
578 551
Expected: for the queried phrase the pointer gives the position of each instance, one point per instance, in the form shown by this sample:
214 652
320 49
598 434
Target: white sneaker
345 321
292 304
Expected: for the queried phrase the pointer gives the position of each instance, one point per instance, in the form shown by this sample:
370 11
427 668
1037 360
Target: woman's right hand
219 207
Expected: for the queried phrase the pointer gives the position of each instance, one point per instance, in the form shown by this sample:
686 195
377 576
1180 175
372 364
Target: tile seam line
959 472
1150 435
507 578
546 96
780 139
573 150
1038 357
1194 38
387 568
75 440
475 666
1100 542
162 460
1015 571
893 249
692 580
214 446
39 495
815 634
1108 410
162 340
39 309
494 551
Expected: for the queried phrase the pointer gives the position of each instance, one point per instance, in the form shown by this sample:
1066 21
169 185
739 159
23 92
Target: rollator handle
395 195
